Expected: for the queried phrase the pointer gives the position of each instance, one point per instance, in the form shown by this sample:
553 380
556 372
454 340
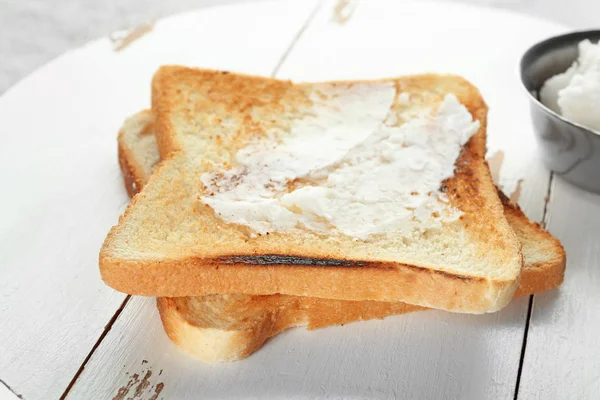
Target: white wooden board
62 188
562 359
421 355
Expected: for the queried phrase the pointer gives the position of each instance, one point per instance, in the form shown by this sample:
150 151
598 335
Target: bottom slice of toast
231 327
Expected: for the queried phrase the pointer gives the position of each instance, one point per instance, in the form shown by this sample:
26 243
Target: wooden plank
372 359
6 394
63 187
562 358
465 356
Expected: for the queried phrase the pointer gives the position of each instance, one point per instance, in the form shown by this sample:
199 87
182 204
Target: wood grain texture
562 359
63 187
401 356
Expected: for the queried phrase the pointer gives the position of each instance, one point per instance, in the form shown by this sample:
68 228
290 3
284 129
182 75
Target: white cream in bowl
575 93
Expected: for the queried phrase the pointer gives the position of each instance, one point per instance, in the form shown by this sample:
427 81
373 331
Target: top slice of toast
544 257
169 243
227 327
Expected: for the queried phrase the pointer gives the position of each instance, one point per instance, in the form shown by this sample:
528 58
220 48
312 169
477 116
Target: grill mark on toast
293 261
277 259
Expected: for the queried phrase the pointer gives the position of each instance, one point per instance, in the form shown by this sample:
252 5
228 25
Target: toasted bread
220 328
169 244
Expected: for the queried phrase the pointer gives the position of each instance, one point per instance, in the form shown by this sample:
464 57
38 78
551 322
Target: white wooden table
64 333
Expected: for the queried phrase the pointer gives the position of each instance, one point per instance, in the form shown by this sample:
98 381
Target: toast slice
171 242
231 327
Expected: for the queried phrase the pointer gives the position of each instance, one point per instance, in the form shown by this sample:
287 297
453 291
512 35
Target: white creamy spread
575 94
347 166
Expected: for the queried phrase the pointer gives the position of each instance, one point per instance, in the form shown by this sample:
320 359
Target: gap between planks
128 297
543 223
19 396
100 339
306 24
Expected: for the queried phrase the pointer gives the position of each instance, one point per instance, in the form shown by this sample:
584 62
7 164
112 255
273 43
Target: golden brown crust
422 286
132 167
251 320
129 175
470 190
209 345
538 276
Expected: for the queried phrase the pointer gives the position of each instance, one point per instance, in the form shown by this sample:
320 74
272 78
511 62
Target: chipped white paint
67 24
63 187
343 11
562 360
464 356
122 39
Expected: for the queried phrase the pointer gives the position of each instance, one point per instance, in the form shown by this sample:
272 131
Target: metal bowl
569 149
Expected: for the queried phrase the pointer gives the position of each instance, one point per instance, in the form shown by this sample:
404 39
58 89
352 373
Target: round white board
63 191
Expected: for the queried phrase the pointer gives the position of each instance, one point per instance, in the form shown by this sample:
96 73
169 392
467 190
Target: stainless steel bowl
569 149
